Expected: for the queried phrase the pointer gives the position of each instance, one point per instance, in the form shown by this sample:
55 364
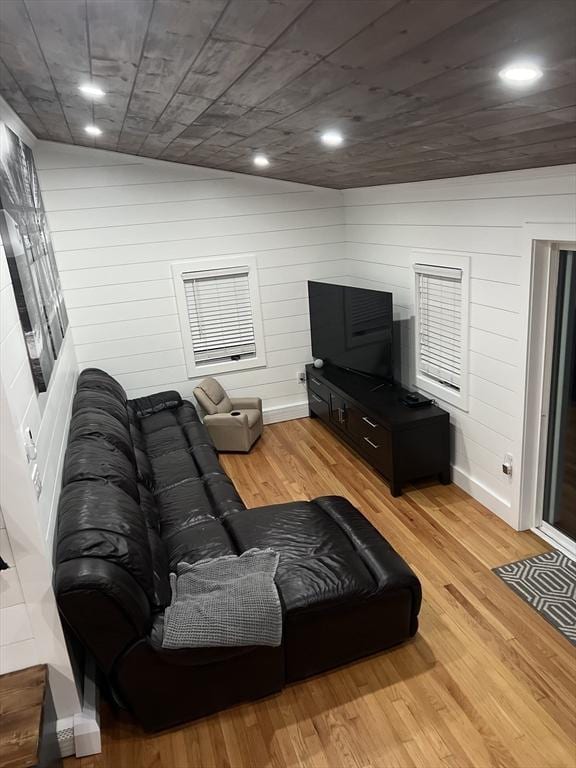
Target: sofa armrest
226 420
249 403
103 605
159 401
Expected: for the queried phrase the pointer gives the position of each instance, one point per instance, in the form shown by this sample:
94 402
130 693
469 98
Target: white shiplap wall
30 629
47 415
118 222
484 217
17 644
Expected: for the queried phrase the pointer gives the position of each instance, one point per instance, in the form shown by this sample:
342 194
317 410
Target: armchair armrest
241 403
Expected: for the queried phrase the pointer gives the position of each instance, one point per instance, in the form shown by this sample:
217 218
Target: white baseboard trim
80 734
87 738
286 412
485 496
65 736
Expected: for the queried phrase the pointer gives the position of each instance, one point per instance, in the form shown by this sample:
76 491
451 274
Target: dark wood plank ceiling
412 84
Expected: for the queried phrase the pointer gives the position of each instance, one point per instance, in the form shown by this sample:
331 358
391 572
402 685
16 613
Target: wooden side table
22 699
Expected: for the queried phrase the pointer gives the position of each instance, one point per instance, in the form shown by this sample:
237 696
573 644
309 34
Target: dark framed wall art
28 248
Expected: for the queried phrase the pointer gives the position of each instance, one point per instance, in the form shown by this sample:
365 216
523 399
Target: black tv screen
352 328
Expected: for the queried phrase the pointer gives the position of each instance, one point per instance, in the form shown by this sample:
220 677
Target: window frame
424 382
225 265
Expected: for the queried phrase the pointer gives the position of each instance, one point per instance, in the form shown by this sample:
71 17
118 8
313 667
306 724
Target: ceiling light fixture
332 138
91 91
93 130
261 161
521 74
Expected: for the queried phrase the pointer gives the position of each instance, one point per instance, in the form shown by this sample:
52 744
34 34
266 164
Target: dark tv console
401 443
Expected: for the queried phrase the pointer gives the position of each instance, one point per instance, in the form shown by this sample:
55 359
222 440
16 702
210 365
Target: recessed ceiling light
92 91
93 130
521 74
261 161
332 138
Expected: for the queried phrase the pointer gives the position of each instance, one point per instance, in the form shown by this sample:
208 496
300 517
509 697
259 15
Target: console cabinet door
339 411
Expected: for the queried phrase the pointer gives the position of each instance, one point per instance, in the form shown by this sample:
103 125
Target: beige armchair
234 423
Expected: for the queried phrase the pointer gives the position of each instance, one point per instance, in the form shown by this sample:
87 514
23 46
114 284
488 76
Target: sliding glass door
559 509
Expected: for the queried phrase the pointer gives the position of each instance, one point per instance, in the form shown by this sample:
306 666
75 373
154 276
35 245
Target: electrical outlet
507 465
301 377
36 480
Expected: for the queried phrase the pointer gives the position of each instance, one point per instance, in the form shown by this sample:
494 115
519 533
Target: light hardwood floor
486 682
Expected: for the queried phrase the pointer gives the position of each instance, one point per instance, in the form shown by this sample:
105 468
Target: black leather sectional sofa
142 490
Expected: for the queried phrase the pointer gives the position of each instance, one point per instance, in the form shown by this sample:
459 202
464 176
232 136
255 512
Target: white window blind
439 332
220 315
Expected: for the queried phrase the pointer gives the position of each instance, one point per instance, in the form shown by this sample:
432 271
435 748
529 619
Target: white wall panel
215 245
153 343
499 240
97 296
484 217
117 227
30 630
165 232
118 312
193 210
120 221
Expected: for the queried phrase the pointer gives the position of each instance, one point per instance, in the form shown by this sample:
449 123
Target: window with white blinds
220 316
439 323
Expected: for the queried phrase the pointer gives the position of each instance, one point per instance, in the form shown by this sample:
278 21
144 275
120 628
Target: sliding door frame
545 242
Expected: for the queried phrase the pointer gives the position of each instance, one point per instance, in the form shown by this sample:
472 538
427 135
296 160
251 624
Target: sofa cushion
223 496
191 490
182 505
98 424
93 379
319 565
172 468
99 520
207 538
159 401
101 401
329 553
90 458
337 577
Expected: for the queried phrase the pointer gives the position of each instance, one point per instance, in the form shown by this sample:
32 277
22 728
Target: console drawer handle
370 423
315 397
312 379
371 443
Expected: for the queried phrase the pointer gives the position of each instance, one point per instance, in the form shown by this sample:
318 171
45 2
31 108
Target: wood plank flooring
486 682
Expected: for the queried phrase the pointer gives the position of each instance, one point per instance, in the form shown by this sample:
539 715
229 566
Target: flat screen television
352 328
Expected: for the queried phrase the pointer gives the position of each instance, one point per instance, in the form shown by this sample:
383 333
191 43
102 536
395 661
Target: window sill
232 366
457 398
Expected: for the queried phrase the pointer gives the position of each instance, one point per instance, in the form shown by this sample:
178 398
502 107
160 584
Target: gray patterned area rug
548 583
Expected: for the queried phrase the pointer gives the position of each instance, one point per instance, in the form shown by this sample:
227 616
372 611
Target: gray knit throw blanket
227 601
